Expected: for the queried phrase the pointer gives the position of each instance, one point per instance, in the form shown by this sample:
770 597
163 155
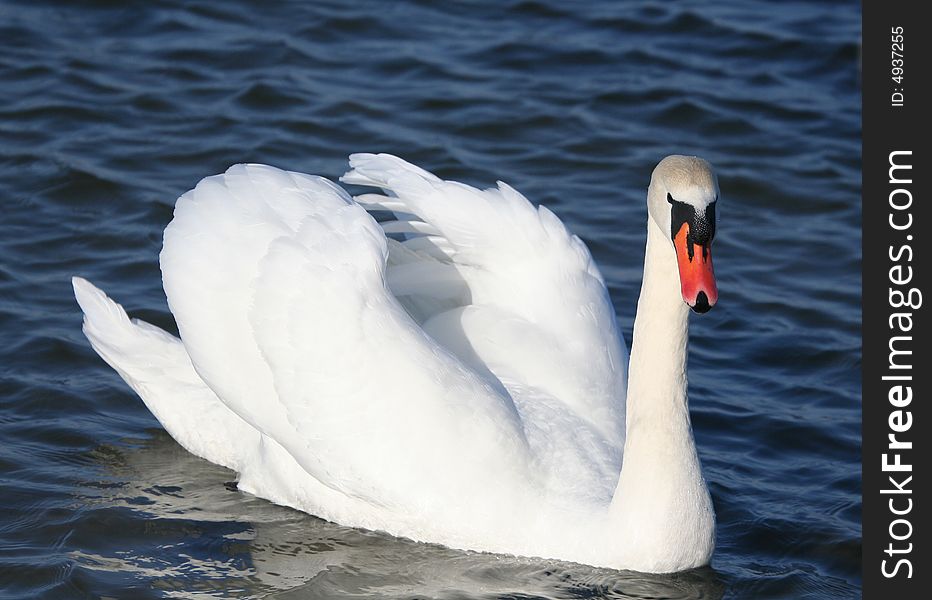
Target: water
110 110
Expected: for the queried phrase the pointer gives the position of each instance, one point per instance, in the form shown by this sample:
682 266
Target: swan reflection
205 538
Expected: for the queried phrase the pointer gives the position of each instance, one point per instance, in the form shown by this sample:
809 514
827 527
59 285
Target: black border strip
893 264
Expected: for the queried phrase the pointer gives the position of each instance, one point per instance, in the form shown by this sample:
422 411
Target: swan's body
465 386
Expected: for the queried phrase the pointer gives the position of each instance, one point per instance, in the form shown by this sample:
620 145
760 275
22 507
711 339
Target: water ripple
112 109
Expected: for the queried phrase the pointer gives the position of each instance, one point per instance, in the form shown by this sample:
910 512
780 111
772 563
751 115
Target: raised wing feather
535 310
277 282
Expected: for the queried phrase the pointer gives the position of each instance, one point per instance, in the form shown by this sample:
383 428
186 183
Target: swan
432 360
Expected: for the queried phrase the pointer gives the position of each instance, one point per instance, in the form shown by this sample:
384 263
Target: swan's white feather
521 261
286 274
409 227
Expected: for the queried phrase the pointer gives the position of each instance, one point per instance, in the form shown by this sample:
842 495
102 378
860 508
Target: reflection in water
207 539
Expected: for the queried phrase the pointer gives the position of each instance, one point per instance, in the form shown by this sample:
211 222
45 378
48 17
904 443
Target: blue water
109 110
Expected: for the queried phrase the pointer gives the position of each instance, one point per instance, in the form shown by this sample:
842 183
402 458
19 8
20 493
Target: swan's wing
277 282
505 285
155 364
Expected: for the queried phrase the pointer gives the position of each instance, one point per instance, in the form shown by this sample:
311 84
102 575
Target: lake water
109 110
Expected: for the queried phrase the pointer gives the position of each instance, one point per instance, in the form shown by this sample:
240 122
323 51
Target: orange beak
697 279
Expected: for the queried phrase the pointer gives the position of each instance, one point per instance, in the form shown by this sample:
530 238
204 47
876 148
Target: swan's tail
156 365
108 327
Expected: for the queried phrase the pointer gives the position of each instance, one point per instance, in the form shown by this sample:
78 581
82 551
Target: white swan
454 375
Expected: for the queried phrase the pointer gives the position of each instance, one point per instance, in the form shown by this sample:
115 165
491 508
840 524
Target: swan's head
682 201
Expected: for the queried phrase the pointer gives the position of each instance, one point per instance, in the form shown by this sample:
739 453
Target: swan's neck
661 509
657 370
